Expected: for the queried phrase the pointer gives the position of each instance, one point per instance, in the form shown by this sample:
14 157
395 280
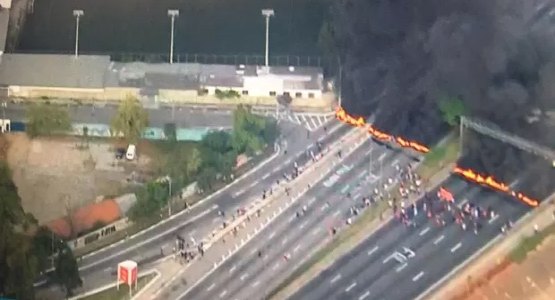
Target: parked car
131 152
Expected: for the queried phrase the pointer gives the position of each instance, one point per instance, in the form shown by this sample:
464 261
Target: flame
469 174
495 184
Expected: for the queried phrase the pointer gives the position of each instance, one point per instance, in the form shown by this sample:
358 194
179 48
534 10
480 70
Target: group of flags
445 195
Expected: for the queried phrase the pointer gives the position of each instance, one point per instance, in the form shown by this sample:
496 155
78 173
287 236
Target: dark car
120 153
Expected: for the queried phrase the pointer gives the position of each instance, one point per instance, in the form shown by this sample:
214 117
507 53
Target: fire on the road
469 174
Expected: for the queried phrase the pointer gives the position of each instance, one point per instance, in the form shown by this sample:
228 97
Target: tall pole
340 80
77 13
170 197
172 13
461 135
267 13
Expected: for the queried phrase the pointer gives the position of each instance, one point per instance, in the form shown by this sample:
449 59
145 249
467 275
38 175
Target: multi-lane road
370 272
199 221
250 274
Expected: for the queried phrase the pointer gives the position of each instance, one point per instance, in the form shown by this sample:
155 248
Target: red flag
444 194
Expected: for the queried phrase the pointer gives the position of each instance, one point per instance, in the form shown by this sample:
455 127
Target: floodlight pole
267 13
172 13
77 13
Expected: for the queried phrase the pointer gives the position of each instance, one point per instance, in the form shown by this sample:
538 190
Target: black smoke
400 57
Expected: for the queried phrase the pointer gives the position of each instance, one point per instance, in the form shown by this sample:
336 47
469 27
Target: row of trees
26 250
213 159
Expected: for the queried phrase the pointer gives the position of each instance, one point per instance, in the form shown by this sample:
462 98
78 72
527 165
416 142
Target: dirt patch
533 279
55 175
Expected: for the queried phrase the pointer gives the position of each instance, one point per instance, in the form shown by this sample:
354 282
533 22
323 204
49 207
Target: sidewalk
491 255
224 243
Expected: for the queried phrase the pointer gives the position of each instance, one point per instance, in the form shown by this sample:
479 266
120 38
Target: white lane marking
424 231
322 120
401 267
272 235
372 251
276 169
316 231
284 241
215 206
336 278
363 296
291 219
296 248
324 207
439 239
304 224
232 269
192 232
265 176
253 185
275 267
239 193
493 219
381 157
457 246
336 213
313 123
210 287
350 287
287 162
368 152
223 293
253 251
256 283
244 276
395 162
311 201
418 276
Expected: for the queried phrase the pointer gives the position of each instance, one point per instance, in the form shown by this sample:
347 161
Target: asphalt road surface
203 218
248 276
367 273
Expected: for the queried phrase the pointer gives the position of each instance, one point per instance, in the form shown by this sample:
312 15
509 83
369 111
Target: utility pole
168 178
267 13
172 13
77 13
461 135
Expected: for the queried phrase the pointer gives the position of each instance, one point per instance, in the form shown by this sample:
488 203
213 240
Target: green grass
529 244
440 156
123 292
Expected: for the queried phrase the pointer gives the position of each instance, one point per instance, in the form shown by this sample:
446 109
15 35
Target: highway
203 218
367 273
248 276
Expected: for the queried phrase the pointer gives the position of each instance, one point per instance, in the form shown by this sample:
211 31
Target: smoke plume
401 57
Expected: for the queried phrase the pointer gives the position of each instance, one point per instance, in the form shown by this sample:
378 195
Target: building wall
6 3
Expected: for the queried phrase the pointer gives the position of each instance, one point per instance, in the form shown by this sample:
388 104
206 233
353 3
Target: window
310 95
286 94
298 95
245 92
272 94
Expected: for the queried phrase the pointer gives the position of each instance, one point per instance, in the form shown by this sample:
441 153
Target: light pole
267 13
172 13
169 179
77 13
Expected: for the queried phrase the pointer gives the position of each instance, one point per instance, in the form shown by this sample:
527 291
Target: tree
452 109
66 272
206 178
170 131
194 162
130 120
45 119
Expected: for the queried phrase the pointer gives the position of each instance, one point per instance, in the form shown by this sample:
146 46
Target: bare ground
55 175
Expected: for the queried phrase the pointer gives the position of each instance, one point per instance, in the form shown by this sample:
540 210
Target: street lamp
77 13
172 13
267 13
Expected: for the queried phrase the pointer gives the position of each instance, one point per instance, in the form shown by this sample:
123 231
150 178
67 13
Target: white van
131 152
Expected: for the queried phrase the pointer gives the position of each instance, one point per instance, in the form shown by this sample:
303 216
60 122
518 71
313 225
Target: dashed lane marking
292 218
493 219
438 240
296 248
336 213
350 287
211 287
232 269
313 123
216 220
456 247
256 283
272 235
304 224
336 278
372 251
316 231
265 176
381 157
418 276
244 276
424 231
239 193
311 200
276 266
222 294
363 296
284 241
